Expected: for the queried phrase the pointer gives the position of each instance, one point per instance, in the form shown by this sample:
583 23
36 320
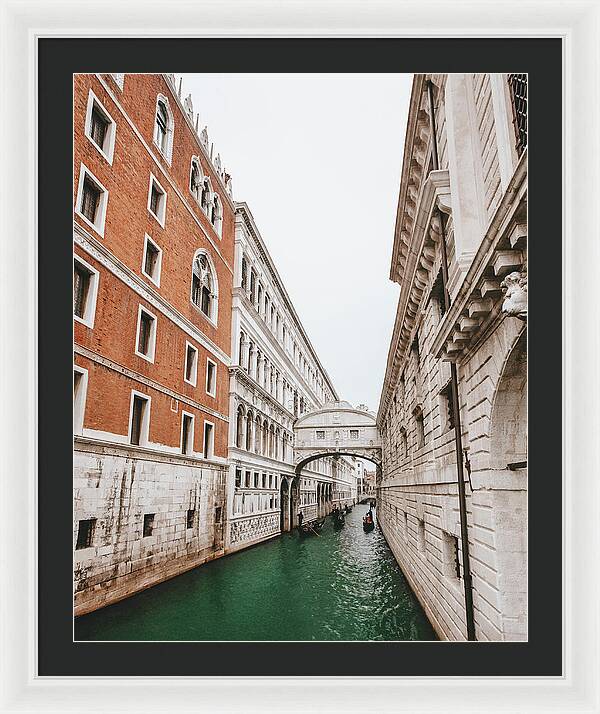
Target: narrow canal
343 585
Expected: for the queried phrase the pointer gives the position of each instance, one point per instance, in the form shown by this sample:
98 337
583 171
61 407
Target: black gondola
348 509
312 528
338 518
368 522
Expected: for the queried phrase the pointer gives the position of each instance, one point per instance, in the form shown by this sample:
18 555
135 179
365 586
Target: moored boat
368 522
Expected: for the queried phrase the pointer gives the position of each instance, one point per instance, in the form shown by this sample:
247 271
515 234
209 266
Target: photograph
300 407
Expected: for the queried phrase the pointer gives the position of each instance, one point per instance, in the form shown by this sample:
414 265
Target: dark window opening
148 524
420 422
210 378
190 518
146 321
98 127
218 511
155 199
90 199
81 284
139 407
151 261
208 437
85 533
161 124
190 361
186 436
238 478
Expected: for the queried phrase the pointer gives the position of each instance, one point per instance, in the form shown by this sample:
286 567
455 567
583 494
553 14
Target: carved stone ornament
189 106
514 286
204 137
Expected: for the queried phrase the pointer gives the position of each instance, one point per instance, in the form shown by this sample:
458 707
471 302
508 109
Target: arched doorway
284 502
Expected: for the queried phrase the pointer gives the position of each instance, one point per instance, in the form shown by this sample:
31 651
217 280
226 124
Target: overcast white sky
317 157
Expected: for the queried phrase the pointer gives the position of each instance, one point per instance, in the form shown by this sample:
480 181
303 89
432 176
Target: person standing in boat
300 519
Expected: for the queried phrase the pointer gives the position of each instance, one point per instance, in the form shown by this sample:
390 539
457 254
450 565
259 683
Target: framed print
310 265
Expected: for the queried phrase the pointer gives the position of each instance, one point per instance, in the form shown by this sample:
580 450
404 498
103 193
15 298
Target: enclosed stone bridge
337 429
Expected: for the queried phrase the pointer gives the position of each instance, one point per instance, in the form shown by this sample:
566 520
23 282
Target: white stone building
463 186
276 376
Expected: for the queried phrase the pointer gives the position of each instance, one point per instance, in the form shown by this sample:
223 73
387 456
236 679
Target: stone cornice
244 212
480 288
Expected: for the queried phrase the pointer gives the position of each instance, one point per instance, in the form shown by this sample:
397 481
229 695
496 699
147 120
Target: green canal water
344 585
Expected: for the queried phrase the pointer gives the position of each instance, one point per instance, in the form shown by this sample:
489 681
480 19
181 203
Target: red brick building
153 229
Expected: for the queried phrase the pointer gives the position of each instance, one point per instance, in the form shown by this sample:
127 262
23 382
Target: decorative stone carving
218 163
514 286
204 138
189 106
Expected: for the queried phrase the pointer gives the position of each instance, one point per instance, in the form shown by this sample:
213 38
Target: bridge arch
339 429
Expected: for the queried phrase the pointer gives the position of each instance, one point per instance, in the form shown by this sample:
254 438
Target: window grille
518 94
81 283
98 127
89 200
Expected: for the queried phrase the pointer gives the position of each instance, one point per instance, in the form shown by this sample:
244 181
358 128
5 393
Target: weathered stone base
119 485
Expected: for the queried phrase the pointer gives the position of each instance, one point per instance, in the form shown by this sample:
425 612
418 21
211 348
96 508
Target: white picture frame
22 689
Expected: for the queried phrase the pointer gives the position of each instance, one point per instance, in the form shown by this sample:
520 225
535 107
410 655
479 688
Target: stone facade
153 231
475 200
275 377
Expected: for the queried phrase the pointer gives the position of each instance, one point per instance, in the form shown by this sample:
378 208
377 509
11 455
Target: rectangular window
264 480
208 440
146 334
157 200
248 479
85 290
218 512
187 433
138 432
190 518
148 524
256 477
354 433
211 378
92 200
152 260
191 364
238 478
320 434
98 127
85 533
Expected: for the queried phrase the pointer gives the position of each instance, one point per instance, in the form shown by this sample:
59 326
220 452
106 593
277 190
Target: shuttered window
90 198
98 127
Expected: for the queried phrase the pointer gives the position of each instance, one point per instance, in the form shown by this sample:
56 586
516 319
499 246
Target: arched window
277 437
163 127
272 441
249 425
257 434
283 446
241 350
239 432
196 179
244 274
204 286
265 438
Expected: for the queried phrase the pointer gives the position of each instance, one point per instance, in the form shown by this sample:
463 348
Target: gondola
348 509
312 528
338 518
368 522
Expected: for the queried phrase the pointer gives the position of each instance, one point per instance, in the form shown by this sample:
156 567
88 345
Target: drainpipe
462 499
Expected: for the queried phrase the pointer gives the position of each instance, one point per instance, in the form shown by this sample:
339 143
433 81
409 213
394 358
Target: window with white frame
191 364
187 433
80 380
146 334
139 419
354 433
163 127
209 439
211 378
157 200
85 291
152 260
100 127
92 199
204 286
